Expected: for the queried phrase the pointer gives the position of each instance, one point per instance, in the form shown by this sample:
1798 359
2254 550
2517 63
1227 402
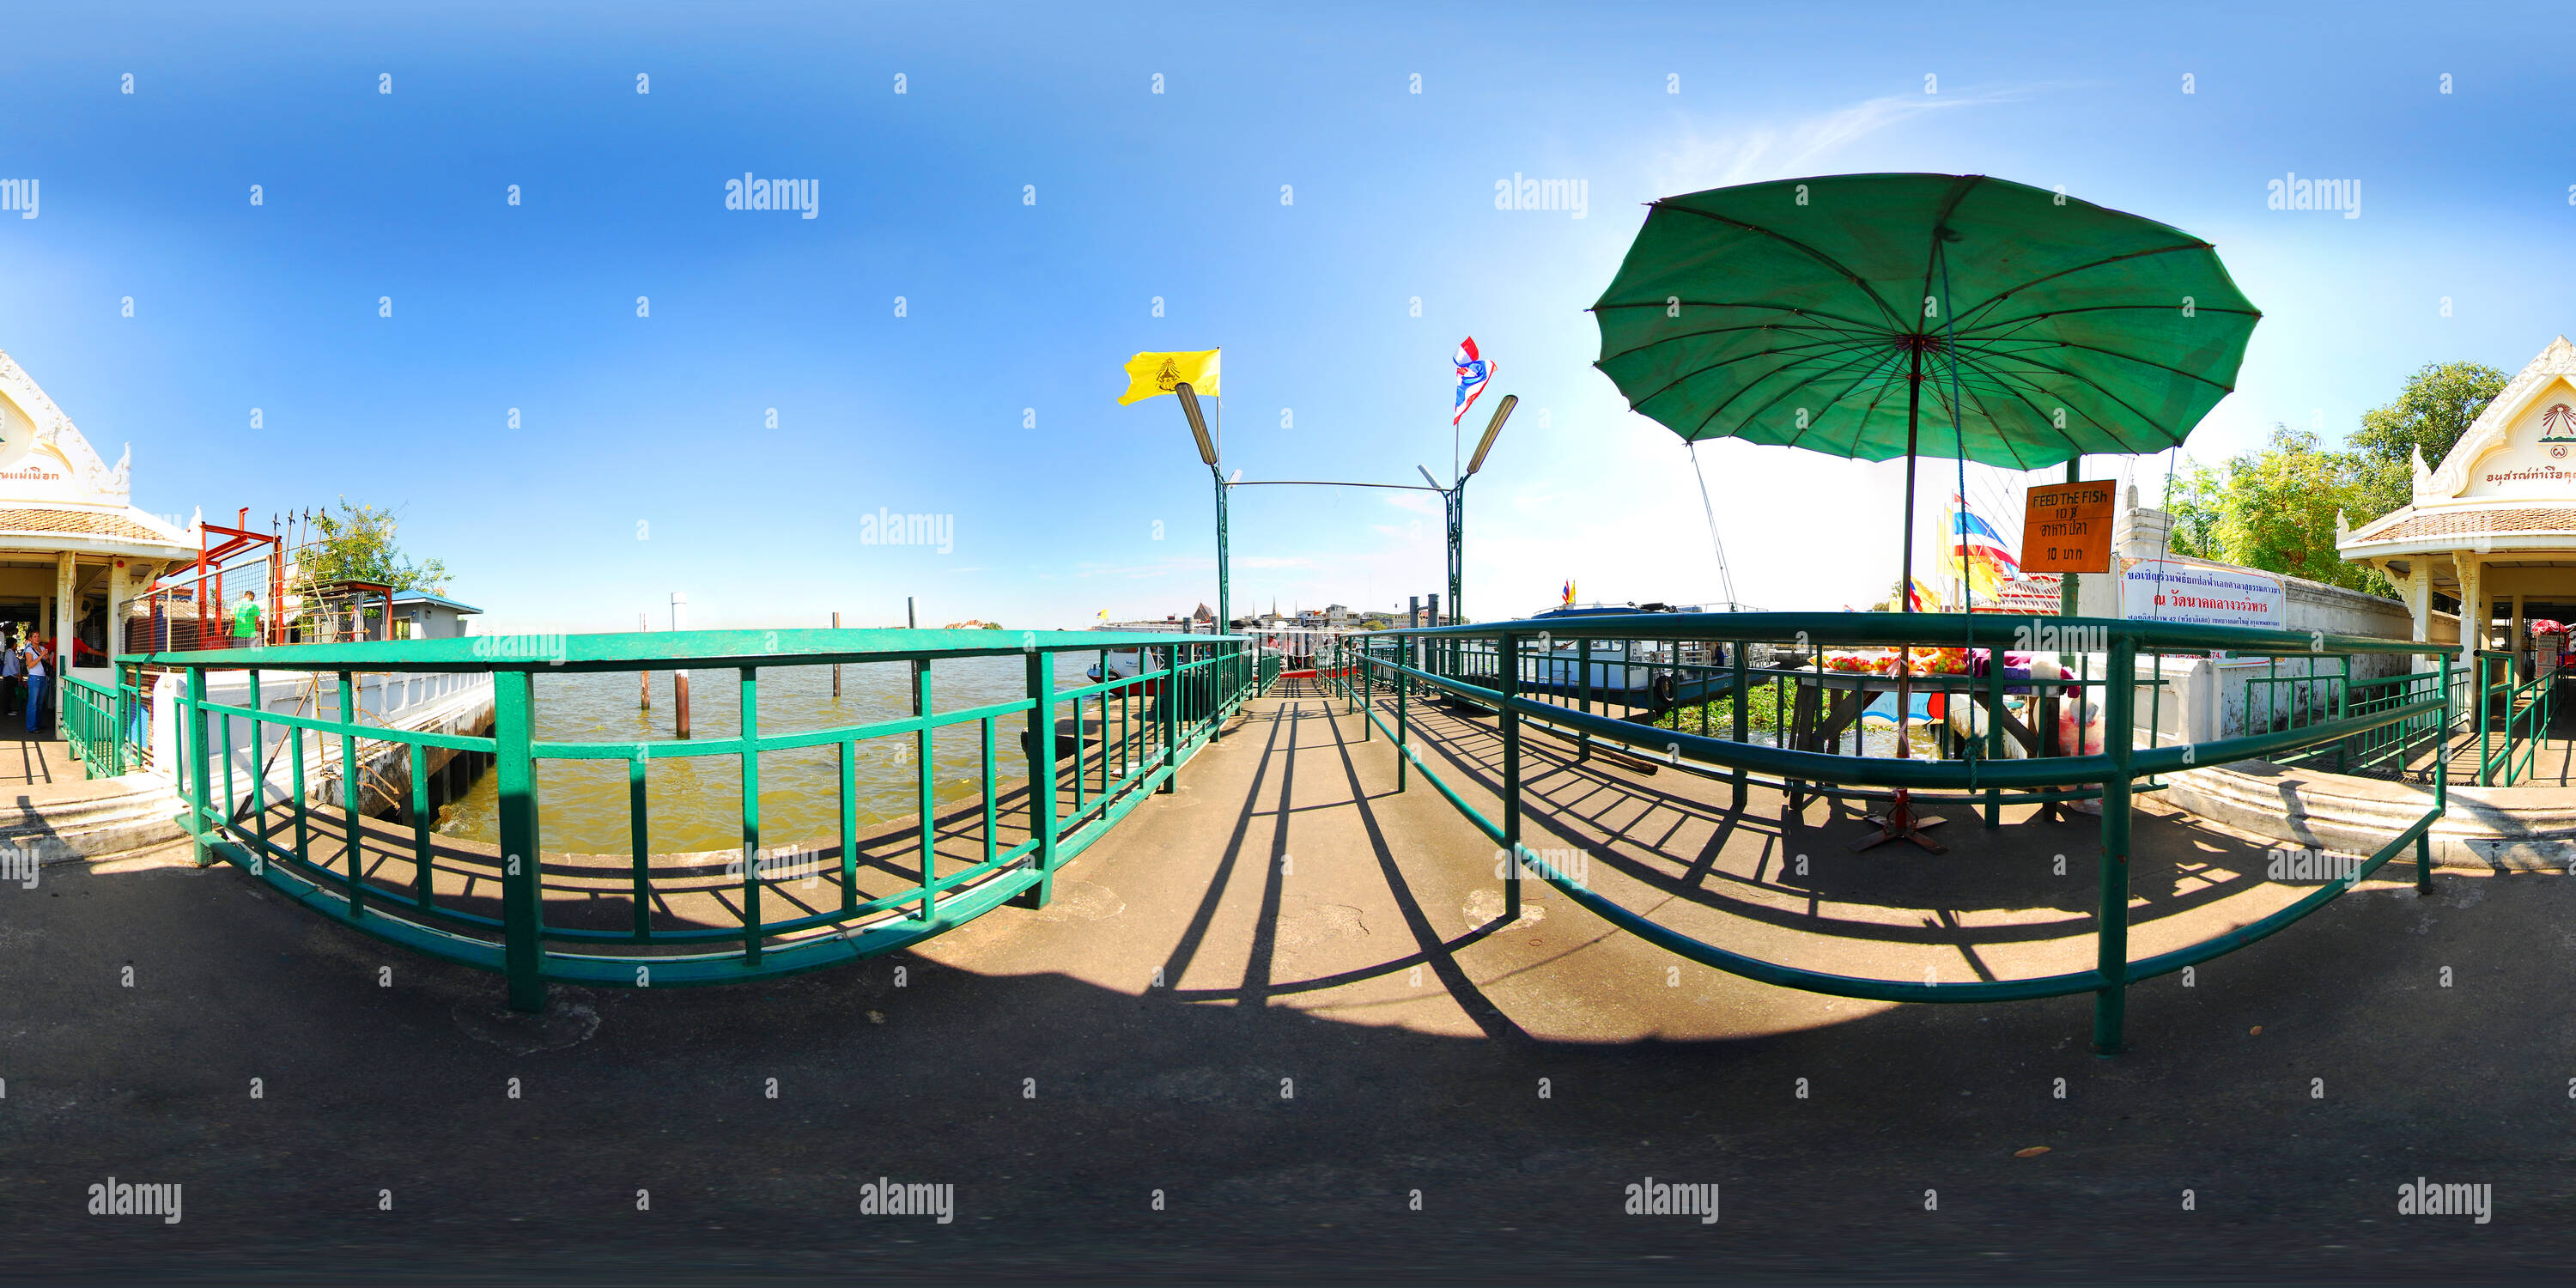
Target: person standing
36 695
12 673
246 622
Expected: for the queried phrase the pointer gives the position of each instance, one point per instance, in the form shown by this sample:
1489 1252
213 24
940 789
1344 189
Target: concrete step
94 820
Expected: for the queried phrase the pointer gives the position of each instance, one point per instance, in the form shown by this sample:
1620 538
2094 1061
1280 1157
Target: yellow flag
1152 374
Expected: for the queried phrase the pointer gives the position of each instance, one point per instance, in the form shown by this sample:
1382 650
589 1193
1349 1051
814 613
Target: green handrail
2525 725
2116 767
1200 684
96 725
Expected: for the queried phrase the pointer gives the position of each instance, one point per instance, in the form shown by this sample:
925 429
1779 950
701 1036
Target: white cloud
1752 153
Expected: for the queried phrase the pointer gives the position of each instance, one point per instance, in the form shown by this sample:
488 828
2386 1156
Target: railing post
1368 691
1743 717
2441 786
1170 704
522 885
925 786
1041 680
1403 682
1583 686
748 695
194 759
2480 668
2111 933
1508 657
352 793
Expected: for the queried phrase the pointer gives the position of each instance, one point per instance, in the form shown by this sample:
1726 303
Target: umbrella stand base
1901 823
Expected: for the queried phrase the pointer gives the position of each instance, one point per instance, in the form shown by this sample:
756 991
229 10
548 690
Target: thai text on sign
2066 527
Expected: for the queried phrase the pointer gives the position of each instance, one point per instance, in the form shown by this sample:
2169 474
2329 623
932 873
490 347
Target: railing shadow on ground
1979 685
1586 801
537 918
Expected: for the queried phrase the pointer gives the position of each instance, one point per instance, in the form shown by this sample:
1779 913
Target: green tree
358 545
2274 509
2439 403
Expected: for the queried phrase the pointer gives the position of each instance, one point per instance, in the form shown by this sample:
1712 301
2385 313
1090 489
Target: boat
1653 674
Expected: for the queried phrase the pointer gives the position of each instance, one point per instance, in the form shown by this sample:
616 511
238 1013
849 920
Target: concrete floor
1340 1027
35 764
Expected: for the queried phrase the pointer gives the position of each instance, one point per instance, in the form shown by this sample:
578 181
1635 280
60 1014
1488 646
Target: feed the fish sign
2066 527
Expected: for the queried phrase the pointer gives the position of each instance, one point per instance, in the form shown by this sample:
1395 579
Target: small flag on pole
1569 593
1473 372
1151 375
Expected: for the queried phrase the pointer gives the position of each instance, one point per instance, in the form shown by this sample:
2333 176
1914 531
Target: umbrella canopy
1804 312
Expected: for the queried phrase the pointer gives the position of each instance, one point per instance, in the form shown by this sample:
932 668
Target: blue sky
644 463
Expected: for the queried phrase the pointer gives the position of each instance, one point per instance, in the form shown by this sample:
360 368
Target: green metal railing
102 726
242 805
2509 741
2387 751
1392 663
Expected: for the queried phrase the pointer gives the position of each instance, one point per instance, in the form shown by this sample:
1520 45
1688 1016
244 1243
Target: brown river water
696 803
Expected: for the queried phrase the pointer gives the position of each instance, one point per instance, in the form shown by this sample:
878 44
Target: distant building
424 616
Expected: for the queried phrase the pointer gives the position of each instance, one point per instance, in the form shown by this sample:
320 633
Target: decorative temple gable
2525 405
44 457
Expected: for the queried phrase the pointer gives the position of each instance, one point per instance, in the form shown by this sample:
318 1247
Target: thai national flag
1473 372
1976 537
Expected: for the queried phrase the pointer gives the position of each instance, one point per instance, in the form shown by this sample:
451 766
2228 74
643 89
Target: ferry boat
1654 674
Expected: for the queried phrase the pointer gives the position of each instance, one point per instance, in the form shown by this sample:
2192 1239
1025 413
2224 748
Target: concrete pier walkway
1271 1028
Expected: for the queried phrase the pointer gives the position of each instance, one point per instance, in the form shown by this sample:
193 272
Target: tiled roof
83 523
2466 523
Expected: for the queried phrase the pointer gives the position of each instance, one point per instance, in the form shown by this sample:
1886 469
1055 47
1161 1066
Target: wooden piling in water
836 667
644 679
680 679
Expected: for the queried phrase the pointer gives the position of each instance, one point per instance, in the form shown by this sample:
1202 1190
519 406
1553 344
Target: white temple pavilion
2494 528
73 549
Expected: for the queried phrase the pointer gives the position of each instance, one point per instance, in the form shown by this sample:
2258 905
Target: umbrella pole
1900 822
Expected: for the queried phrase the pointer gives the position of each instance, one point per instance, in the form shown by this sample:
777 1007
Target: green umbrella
1825 313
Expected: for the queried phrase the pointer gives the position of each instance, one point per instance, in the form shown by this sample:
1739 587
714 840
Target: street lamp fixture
1198 421
1501 413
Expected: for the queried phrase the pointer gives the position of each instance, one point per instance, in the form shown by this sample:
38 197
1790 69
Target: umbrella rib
2006 383
1940 223
1695 372
2043 316
2144 362
1854 329
1800 310
2015 382
1745 388
1807 383
2087 267
1802 247
1968 391
2143 417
